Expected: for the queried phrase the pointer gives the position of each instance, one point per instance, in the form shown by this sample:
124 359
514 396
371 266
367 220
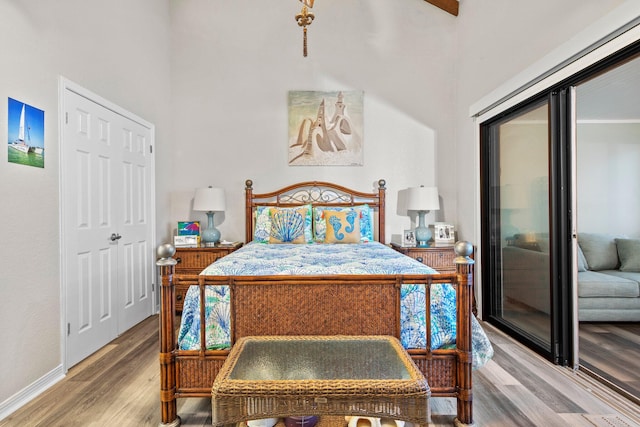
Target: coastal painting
326 128
25 126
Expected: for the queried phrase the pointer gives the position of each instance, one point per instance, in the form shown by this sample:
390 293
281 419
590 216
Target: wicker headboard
316 193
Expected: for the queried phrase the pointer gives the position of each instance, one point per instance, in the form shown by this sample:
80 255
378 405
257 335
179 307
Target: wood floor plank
535 374
576 420
493 406
611 351
494 373
535 410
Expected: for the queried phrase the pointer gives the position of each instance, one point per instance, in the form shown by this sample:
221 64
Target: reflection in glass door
516 156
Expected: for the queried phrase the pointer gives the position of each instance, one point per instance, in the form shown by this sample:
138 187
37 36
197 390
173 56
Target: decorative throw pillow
287 225
342 226
599 251
629 253
262 228
366 221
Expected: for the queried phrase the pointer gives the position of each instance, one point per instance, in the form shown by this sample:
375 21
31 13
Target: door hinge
66 118
151 149
153 287
68 329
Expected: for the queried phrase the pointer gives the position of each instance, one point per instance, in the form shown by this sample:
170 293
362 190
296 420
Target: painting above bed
325 128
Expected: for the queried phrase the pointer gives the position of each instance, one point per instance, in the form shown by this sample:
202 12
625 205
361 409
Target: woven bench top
265 377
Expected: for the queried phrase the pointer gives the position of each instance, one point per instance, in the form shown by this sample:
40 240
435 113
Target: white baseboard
30 392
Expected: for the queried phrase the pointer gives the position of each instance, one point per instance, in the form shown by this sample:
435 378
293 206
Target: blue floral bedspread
320 259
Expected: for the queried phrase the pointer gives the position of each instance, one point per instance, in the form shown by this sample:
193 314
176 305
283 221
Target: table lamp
209 200
422 199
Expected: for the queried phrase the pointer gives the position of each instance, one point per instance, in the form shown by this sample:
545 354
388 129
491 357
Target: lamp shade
209 200
423 199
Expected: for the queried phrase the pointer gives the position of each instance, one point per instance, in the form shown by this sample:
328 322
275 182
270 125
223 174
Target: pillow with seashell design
262 227
287 225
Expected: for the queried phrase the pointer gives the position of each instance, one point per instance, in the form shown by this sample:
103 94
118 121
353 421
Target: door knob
115 237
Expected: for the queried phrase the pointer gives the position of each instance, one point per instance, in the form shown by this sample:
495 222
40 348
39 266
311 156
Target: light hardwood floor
119 386
611 350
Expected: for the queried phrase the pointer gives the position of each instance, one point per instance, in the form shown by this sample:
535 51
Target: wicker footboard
195 372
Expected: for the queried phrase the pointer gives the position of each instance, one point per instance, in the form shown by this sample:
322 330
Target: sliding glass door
531 195
516 154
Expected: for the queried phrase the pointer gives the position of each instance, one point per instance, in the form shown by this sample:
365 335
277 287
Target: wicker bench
271 377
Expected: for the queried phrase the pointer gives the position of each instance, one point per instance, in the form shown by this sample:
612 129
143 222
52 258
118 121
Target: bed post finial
248 184
165 253
382 183
464 250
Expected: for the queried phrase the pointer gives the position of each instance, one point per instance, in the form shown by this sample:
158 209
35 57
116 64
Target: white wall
233 65
119 50
608 155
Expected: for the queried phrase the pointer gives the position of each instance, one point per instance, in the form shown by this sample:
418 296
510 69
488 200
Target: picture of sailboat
20 143
25 134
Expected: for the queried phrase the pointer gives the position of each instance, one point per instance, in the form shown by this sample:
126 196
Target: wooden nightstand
441 258
194 260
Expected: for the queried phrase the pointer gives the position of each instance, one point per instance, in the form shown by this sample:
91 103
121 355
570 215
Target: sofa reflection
608 276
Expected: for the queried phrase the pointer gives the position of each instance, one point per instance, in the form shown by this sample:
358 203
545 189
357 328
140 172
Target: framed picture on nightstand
188 228
408 238
443 233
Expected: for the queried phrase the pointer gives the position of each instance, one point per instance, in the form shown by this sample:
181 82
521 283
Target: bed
276 297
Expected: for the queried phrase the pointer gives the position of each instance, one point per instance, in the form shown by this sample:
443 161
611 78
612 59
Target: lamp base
210 235
423 234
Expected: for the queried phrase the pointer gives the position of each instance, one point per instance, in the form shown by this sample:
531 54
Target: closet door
107 222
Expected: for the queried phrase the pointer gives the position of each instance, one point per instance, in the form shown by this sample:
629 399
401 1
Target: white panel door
134 223
106 184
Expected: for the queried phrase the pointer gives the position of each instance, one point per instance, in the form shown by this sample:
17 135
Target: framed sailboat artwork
25 137
326 128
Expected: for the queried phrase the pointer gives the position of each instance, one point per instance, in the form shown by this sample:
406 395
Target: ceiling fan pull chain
304 19
304 41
